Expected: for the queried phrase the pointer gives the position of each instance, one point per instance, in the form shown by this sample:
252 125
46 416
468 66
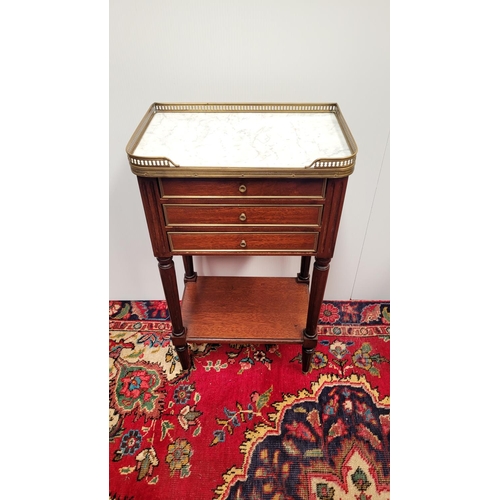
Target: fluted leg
169 281
318 285
305 265
189 272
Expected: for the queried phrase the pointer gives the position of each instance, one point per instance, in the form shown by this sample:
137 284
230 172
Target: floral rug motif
245 422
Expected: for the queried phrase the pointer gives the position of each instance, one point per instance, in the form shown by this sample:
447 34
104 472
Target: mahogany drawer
294 215
243 242
241 188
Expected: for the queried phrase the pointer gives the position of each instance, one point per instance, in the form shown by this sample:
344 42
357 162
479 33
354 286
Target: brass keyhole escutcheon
243 217
243 188
243 244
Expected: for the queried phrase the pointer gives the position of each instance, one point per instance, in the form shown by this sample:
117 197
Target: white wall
254 51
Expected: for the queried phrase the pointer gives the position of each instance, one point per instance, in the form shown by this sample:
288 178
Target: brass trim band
246 172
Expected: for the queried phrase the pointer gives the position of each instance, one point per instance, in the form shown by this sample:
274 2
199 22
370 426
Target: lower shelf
242 310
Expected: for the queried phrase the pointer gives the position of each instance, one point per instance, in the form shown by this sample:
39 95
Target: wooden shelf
243 310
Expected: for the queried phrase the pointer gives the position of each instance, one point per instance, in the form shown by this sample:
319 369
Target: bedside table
243 179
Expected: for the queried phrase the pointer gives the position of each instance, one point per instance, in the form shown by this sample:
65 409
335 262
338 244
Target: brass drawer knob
243 188
243 244
243 217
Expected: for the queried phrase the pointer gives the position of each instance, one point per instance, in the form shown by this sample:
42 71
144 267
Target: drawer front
216 215
242 188
243 242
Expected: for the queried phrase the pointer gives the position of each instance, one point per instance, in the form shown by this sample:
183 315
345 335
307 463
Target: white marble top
243 139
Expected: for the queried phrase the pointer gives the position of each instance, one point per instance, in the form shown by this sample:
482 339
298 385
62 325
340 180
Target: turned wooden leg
318 285
305 265
169 281
189 272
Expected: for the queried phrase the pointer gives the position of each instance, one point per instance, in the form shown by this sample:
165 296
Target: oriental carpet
245 422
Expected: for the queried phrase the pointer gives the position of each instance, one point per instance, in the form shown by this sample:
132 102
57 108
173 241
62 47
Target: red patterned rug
245 422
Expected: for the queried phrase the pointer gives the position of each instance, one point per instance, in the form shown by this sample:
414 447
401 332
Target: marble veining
243 139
